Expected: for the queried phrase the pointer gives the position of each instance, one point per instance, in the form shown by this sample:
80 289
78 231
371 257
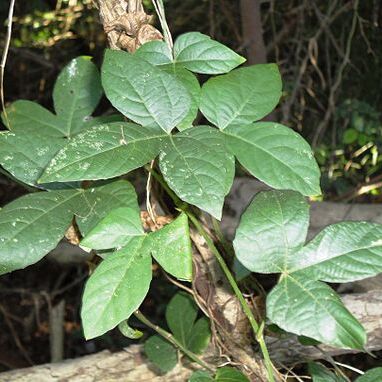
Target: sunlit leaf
199 53
142 92
116 288
276 155
196 165
242 96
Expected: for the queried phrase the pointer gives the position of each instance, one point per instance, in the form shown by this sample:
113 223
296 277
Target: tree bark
252 31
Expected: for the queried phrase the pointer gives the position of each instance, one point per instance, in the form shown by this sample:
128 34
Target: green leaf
373 375
200 376
105 151
192 85
101 200
37 135
103 119
276 155
199 53
76 93
161 353
197 166
200 336
350 136
181 314
116 229
229 374
23 114
271 229
142 92
26 154
311 308
116 288
342 252
155 52
171 248
242 96
31 226
320 373
128 331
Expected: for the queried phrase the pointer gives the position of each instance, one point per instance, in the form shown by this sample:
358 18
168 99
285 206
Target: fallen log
130 365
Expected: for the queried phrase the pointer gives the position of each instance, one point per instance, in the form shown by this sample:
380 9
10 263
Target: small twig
5 56
333 91
15 335
349 367
148 193
159 9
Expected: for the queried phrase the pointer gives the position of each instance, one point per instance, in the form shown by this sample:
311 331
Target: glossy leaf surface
104 152
197 166
199 53
271 229
242 96
76 93
155 52
116 288
311 308
276 155
342 252
101 200
192 85
115 230
142 92
32 225
171 248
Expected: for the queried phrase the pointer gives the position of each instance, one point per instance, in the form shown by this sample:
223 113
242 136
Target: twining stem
170 338
257 329
220 236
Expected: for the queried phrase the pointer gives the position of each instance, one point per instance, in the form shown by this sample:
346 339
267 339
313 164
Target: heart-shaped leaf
116 288
199 53
196 165
242 96
142 92
105 151
276 155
